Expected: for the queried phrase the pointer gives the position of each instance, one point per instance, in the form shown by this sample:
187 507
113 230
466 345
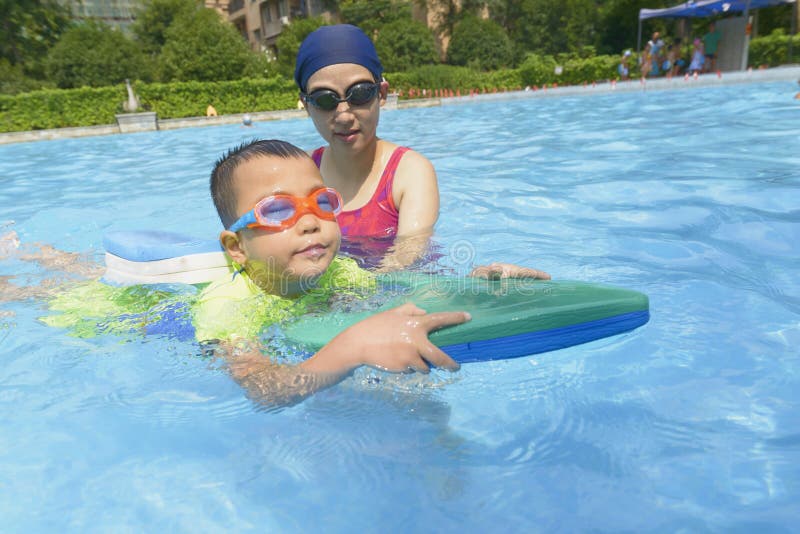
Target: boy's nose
308 224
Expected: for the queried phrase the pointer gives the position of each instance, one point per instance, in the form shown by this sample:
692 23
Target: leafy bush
13 79
30 29
773 49
541 70
405 44
373 15
201 46
594 69
153 19
95 55
480 43
538 70
289 41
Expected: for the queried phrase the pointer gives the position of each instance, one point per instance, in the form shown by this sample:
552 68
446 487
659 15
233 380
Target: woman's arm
416 195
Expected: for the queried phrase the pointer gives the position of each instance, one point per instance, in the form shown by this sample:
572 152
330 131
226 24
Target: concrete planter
391 101
137 122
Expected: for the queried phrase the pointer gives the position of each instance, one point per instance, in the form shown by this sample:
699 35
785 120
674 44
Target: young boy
389 191
281 231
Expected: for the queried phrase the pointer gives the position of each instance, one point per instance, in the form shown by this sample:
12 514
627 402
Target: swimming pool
690 423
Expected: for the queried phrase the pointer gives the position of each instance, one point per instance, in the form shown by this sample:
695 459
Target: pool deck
785 73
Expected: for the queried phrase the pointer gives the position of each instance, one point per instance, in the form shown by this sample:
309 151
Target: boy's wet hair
222 190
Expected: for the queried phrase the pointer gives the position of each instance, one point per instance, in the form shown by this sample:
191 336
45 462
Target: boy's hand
497 271
395 340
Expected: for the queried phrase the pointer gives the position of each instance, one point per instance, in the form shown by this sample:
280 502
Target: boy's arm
395 340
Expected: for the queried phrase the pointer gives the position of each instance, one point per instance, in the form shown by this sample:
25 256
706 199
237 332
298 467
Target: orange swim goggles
279 212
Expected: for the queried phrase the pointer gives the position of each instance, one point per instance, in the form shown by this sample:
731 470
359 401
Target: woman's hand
497 271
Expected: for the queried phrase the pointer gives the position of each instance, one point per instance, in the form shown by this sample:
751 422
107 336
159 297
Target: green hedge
190 99
541 70
534 71
773 50
461 79
54 108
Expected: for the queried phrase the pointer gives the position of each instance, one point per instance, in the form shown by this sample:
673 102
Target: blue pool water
690 423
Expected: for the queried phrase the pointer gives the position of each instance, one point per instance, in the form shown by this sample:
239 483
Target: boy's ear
233 247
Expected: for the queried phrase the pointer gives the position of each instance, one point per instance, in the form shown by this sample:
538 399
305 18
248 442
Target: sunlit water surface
690 423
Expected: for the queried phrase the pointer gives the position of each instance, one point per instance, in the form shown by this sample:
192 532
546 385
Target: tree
28 29
480 43
405 44
371 15
777 17
448 13
94 54
289 41
154 18
548 26
619 22
201 46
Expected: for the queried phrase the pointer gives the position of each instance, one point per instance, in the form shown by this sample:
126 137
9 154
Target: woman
389 191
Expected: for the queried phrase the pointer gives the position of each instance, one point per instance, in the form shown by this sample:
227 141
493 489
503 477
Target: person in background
679 63
622 69
669 60
698 58
646 61
710 47
656 53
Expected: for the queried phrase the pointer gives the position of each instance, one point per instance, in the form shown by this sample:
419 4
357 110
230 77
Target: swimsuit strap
387 178
317 156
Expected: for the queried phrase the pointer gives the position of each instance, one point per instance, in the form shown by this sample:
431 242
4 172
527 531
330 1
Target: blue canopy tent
705 8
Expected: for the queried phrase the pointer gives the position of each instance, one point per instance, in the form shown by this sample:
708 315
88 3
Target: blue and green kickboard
510 318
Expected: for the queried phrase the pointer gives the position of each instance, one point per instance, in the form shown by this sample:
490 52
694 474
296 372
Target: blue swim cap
331 45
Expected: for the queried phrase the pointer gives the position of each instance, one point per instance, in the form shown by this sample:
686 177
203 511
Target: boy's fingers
420 366
438 358
435 321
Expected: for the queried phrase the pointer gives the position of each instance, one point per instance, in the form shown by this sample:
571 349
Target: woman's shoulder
413 166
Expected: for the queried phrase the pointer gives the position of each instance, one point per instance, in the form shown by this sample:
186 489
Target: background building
117 13
121 13
261 21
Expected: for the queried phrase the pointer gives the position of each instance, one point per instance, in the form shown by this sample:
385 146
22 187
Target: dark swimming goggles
358 94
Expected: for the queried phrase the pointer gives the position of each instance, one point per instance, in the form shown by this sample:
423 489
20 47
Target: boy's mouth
314 250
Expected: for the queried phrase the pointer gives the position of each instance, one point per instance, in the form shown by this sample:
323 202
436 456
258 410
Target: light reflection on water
689 196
